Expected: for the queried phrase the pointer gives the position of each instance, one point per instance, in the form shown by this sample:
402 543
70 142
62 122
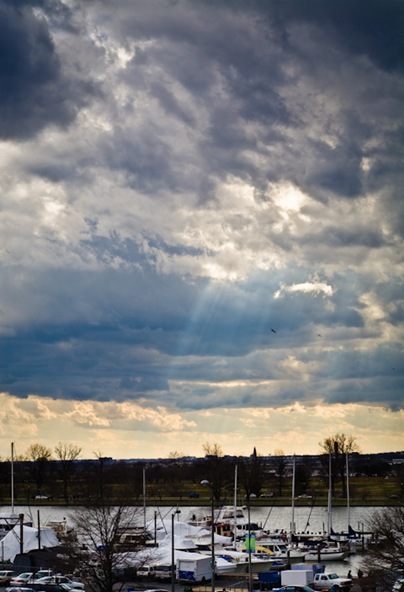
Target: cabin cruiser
279 549
230 521
324 552
241 561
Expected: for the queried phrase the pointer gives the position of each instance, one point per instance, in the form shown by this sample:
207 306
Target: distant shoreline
169 502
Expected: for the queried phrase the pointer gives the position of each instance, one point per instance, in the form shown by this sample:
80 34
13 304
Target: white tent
10 544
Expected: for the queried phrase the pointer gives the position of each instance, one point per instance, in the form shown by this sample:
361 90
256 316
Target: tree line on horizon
61 474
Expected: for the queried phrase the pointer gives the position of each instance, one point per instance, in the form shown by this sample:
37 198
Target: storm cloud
201 206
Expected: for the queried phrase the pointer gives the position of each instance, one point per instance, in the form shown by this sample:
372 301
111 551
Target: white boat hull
325 556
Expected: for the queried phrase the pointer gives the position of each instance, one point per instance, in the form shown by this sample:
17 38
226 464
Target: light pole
212 509
173 565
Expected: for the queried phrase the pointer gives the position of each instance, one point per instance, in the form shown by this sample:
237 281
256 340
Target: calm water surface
306 519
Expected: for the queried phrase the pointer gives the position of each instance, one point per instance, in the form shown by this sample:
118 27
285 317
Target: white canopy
10 544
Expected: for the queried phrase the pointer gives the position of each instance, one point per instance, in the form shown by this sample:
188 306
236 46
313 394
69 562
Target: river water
271 518
313 520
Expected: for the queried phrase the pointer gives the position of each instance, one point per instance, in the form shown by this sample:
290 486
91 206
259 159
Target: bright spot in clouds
314 288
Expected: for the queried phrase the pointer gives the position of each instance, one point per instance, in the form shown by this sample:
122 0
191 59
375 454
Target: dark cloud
366 27
241 68
145 158
123 336
353 235
34 90
170 104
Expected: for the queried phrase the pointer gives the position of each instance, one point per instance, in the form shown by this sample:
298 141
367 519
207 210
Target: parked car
5 576
41 573
22 578
30 577
59 579
53 587
19 589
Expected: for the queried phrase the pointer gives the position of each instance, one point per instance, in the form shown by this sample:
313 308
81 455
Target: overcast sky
201 225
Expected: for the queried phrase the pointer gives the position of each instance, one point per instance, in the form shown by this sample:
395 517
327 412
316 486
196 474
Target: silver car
59 579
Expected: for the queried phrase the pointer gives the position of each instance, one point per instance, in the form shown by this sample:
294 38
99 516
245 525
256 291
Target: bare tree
338 446
212 449
174 454
39 455
387 550
38 452
66 454
98 549
215 469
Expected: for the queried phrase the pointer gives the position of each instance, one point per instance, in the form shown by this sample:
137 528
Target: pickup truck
145 571
331 580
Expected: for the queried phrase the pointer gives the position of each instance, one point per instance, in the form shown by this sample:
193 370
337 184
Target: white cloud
315 288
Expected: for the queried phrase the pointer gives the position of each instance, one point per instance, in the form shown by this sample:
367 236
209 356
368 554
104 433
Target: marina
275 520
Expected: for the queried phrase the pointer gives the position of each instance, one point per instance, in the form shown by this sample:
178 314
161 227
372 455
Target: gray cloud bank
201 193
35 91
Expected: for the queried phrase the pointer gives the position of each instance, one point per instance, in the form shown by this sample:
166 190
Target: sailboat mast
144 499
12 477
292 525
347 492
235 505
329 527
